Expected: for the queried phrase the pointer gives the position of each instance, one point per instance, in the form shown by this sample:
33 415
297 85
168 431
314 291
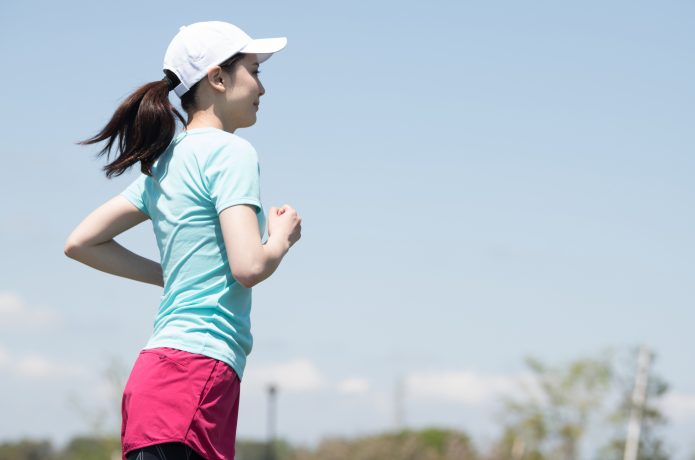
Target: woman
201 190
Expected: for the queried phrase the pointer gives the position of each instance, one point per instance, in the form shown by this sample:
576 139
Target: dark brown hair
146 123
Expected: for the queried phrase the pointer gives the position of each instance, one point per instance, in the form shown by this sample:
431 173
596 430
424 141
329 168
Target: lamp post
272 393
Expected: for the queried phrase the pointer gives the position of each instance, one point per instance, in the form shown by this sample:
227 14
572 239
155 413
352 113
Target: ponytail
145 122
146 125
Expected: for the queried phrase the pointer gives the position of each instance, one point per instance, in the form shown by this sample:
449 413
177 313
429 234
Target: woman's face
242 93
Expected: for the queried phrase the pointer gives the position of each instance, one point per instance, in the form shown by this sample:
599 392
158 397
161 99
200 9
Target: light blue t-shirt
203 309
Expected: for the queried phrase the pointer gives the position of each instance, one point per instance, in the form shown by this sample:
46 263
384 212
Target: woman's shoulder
215 143
237 142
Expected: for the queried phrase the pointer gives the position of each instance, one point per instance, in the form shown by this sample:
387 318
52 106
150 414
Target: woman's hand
285 222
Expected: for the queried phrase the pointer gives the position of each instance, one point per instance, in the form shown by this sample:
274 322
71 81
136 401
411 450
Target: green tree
91 448
550 419
26 449
104 422
426 444
261 450
651 444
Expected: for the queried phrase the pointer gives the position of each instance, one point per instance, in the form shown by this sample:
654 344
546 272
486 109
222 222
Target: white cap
202 45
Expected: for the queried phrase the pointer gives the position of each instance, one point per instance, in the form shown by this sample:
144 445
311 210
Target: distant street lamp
272 393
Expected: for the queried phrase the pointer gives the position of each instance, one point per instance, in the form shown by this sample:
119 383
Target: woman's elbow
246 279
70 248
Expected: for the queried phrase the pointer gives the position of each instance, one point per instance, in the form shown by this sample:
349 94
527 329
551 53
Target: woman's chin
252 121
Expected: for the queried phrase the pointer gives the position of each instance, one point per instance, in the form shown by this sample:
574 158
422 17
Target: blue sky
478 182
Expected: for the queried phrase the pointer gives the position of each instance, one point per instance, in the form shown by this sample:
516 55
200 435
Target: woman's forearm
273 251
111 257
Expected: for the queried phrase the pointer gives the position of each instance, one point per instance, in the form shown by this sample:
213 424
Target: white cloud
679 406
354 385
10 304
33 366
467 387
297 375
15 314
4 358
458 386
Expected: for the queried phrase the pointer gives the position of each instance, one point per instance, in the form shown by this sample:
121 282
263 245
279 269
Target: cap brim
264 47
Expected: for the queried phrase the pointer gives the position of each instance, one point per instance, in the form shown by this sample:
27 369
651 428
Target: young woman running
201 190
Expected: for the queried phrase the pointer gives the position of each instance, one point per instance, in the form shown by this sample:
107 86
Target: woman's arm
92 243
250 261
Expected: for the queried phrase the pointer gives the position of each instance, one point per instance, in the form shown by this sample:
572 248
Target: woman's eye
257 72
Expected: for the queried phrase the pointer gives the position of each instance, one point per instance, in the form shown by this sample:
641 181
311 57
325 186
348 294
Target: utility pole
272 392
399 403
639 395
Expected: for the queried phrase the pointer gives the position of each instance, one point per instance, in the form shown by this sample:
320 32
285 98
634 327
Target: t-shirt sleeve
232 176
135 193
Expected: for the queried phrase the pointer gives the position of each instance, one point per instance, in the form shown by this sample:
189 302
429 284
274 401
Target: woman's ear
216 78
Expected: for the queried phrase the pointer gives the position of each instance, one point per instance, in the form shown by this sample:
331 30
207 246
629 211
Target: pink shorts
176 396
